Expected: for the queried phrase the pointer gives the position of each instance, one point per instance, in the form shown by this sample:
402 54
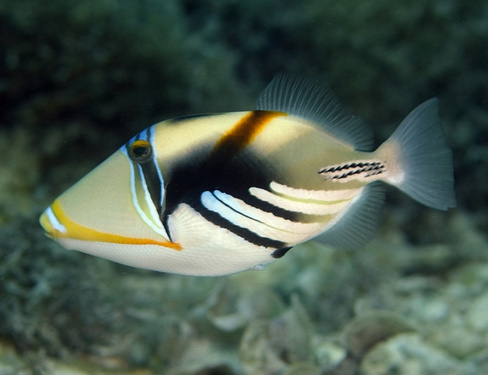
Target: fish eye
140 151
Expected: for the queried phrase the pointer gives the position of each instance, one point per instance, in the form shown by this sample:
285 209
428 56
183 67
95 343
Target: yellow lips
46 225
64 227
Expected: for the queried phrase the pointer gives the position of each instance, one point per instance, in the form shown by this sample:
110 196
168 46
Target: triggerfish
215 194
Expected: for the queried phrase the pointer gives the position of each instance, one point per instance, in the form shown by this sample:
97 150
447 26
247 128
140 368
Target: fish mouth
57 225
51 225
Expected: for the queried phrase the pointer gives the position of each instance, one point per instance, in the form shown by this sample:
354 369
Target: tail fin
423 161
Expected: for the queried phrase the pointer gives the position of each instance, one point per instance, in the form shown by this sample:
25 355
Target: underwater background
79 78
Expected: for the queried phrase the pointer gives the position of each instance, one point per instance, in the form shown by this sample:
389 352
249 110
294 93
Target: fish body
222 193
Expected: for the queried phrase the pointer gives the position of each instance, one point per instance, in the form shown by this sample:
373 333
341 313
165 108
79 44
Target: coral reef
77 79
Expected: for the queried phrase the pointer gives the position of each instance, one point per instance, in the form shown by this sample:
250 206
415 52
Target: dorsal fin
315 102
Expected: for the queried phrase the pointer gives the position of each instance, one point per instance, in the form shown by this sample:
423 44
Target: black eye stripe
140 151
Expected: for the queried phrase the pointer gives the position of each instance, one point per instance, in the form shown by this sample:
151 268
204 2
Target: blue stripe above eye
150 170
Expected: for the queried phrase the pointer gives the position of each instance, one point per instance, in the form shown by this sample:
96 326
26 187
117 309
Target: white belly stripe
264 217
262 223
316 195
318 207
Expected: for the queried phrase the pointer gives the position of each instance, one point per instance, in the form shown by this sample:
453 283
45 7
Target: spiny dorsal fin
315 102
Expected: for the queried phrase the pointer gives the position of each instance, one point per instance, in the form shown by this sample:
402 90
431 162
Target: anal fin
356 226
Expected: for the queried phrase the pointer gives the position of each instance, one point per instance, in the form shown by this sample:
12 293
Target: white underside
208 250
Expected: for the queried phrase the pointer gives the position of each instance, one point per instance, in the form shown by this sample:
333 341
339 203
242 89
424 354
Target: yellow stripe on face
76 231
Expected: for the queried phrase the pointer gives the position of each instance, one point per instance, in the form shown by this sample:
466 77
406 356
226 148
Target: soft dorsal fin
315 102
